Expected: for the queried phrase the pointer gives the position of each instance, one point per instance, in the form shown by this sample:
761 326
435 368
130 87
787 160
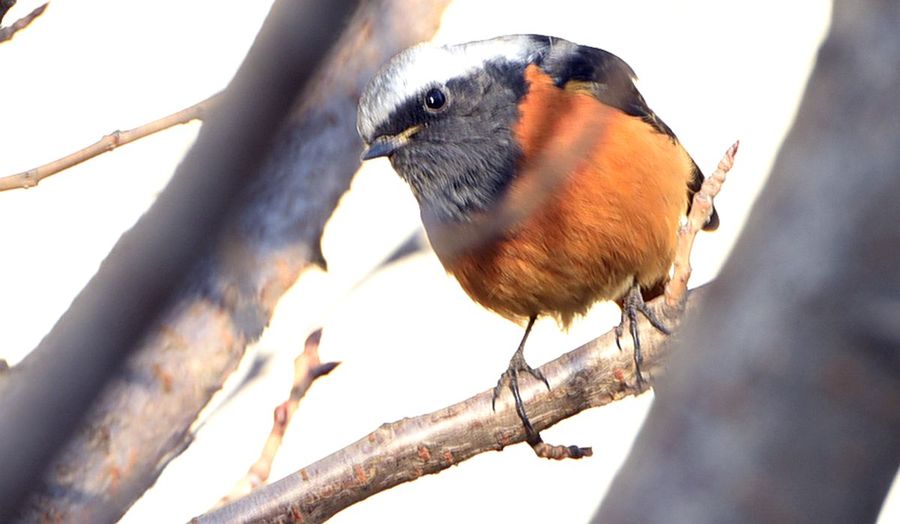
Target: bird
544 180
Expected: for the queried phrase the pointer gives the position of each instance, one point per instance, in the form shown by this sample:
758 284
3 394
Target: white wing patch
408 74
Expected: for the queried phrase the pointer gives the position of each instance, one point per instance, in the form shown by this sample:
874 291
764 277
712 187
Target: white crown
413 71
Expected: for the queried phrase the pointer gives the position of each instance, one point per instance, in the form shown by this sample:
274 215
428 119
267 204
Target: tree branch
307 368
33 177
784 403
45 397
8 32
593 375
701 210
227 301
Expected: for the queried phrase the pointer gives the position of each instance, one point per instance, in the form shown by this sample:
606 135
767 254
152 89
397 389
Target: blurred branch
307 368
6 33
32 177
784 402
5 6
143 418
43 400
592 375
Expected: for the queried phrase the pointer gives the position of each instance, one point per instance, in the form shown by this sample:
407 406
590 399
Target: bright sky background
409 339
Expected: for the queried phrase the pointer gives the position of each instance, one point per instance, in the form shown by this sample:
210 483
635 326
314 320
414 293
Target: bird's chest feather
595 205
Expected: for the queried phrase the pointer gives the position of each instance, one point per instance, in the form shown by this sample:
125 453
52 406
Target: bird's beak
384 145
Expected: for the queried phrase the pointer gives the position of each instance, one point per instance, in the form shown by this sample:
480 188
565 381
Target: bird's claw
633 304
510 377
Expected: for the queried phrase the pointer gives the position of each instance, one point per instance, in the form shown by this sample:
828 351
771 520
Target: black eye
435 99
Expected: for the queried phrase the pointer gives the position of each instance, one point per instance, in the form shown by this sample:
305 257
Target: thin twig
307 368
32 177
595 374
8 32
701 209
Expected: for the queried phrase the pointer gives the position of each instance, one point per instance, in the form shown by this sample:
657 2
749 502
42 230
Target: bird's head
444 116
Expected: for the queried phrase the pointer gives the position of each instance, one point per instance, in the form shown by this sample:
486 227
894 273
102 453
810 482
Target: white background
409 339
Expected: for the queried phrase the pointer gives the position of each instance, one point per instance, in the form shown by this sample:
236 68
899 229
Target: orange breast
595 207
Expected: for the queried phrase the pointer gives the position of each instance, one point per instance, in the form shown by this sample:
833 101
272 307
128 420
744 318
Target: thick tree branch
10 31
227 301
33 177
784 402
46 396
595 374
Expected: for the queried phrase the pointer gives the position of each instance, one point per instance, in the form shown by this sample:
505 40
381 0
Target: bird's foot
517 367
632 304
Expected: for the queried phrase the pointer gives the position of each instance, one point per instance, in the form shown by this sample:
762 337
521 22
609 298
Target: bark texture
784 402
142 419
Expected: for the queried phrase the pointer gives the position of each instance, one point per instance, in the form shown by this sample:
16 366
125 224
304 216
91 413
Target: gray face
457 155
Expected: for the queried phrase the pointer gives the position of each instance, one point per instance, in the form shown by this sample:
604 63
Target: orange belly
597 210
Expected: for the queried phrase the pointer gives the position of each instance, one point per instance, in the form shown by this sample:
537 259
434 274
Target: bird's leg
632 304
517 365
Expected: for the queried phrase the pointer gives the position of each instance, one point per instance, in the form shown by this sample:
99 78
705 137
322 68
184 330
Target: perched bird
545 181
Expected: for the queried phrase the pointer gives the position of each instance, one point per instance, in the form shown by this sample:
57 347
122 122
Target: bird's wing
609 79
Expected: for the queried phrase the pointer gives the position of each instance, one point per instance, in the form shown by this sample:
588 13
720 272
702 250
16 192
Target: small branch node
113 140
30 179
